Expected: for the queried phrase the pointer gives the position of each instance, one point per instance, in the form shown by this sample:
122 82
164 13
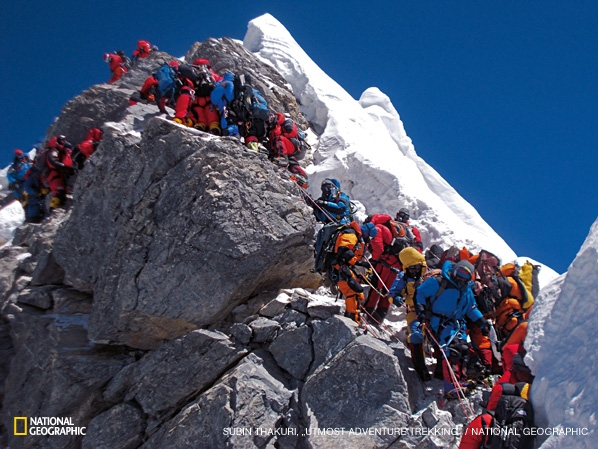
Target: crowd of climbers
469 308
225 105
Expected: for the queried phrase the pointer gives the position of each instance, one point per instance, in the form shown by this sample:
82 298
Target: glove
69 171
483 325
363 263
253 146
354 285
421 313
320 202
398 301
345 272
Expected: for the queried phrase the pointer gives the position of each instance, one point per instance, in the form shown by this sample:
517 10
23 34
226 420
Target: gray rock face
55 372
250 397
184 234
293 351
120 427
168 378
92 108
8 268
362 387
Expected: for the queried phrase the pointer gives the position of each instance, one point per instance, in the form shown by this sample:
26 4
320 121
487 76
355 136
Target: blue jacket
224 92
17 170
338 209
451 307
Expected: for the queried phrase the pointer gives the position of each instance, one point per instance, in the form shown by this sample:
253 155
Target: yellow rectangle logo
16 431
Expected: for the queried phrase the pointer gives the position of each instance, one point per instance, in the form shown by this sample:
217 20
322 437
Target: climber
348 252
442 303
433 256
283 145
16 175
505 425
204 115
403 217
117 66
386 266
86 148
333 204
221 97
143 50
58 168
403 292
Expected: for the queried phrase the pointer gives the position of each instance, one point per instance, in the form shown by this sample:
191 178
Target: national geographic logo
45 425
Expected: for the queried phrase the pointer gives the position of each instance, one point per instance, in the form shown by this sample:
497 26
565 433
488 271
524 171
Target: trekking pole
307 195
458 388
378 276
387 329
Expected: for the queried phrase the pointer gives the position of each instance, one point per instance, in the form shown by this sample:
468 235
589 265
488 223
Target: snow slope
364 144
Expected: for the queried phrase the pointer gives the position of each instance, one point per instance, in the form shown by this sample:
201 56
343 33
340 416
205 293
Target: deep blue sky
499 97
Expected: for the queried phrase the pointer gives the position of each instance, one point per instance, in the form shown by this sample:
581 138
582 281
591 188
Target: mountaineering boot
215 129
178 120
353 316
370 312
200 126
419 361
380 314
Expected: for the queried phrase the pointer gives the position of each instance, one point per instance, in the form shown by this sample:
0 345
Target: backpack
402 237
249 103
523 288
324 246
167 81
451 254
513 414
201 77
125 58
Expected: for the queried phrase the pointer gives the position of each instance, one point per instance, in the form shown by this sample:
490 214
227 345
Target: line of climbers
468 307
226 105
42 185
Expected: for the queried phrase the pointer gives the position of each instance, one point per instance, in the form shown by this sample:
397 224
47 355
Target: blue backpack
250 104
167 81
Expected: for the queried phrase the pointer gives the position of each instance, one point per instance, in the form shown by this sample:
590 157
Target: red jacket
383 237
143 49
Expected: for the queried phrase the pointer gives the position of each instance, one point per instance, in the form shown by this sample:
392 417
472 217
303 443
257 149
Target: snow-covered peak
364 145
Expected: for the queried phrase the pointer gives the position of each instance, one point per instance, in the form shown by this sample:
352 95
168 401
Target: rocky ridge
172 304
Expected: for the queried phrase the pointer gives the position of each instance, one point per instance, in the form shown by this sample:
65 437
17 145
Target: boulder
362 387
168 378
330 337
248 407
121 427
187 226
55 372
293 351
